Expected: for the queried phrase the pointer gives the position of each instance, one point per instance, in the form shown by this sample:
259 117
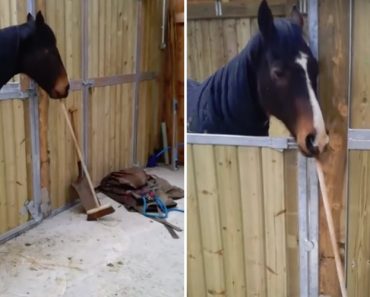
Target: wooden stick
66 116
329 219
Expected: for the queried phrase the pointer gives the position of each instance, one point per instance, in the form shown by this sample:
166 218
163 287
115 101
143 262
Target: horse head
287 80
40 58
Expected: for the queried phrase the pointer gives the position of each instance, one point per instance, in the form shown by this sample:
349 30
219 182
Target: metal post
135 106
303 226
34 206
174 149
308 203
85 86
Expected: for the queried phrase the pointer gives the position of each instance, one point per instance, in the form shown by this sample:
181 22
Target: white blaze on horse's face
321 137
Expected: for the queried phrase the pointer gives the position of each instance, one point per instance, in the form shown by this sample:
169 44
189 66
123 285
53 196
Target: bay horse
30 48
275 74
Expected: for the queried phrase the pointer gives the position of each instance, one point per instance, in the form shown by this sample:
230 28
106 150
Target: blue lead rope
163 214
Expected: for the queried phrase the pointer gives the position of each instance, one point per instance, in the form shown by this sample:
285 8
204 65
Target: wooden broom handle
329 219
66 116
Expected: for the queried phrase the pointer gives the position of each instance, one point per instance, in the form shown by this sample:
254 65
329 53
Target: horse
30 48
275 74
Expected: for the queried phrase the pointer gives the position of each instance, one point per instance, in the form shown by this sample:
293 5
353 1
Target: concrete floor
124 254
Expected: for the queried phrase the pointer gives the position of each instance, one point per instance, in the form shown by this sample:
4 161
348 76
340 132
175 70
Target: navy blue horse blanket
227 102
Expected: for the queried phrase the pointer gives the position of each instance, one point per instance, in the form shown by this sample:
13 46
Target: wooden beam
199 11
333 57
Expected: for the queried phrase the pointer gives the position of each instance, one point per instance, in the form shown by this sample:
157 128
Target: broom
100 210
329 220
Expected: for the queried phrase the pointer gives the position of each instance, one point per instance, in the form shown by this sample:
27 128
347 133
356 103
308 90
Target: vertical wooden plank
20 160
230 39
10 169
275 233
243 33
3 194
292 232
231 221
100 32
251 189
216 42
358 271
210 222
204 48
358 281
196 281
360 105
333 79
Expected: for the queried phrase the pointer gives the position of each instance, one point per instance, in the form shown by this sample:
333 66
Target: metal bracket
33 210
88 83
218 7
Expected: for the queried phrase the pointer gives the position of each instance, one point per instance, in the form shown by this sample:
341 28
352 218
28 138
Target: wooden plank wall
64 17
112 27
15 153
212 42
243 227
112 37
358 244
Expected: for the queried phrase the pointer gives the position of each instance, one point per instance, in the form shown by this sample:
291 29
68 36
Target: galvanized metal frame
278 143
308 195
84 73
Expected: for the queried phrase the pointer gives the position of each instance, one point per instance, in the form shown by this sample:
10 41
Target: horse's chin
53 94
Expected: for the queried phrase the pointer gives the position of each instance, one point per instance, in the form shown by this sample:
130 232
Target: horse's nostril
67 88
310 144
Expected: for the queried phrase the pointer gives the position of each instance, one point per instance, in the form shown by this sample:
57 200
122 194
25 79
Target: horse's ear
39 18
296 17
30 17
265 20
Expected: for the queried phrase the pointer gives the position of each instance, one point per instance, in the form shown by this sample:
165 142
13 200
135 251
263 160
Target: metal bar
174 149
303 227
63 208
359 139
113 80
12 91
31 7
164 24
135 111
313 228
18 231
85 88
362 145
308 192
35 143
279 143
359 134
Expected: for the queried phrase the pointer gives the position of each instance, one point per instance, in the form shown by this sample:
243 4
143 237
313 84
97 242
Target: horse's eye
46 51
277 73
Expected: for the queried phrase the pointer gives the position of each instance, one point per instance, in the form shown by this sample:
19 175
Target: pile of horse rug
150 195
